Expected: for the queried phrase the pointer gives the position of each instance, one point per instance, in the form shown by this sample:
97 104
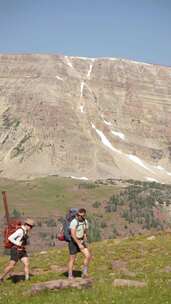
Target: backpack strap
24 237
23 232
84 222
77 223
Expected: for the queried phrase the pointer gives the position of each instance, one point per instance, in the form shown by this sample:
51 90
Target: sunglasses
30 226
82 216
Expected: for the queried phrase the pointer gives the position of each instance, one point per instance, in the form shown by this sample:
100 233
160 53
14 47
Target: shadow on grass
76 274
16 278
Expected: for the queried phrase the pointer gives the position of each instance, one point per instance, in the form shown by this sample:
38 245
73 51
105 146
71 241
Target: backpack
12 225
65 233
10 229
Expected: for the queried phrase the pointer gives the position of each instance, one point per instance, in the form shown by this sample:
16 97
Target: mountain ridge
86 118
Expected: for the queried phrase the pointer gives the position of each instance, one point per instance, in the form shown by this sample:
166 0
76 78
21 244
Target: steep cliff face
83 117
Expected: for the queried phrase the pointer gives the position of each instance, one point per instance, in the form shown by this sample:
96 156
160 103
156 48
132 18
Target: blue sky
138 30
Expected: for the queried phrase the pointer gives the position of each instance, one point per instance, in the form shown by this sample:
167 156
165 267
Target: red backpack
10 229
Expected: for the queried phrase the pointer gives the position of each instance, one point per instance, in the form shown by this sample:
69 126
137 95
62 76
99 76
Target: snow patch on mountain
80 178
118 134
83 58
138 161
82 108
163 170
151 179
68 62
104 140
160 168
81 88
90 70
58 77
108 123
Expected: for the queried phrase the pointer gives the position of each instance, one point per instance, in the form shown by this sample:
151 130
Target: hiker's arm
86 235
77 241
16 237
86 231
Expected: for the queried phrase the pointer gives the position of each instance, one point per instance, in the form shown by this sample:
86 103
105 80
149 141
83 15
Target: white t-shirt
79 226
16 237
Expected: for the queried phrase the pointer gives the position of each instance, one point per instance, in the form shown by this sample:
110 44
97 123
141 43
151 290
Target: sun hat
29 222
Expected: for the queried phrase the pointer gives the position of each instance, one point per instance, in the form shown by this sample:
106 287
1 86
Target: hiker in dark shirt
18 251
79 231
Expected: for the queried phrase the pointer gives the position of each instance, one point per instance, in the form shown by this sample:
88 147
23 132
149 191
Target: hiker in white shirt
17 236
79 233
18 250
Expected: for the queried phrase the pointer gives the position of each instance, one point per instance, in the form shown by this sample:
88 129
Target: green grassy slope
45 196
149 260
115 208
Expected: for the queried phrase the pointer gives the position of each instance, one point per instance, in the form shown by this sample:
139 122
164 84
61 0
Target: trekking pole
4 195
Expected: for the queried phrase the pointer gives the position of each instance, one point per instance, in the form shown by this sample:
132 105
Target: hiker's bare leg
71 264
8 269
87 258
25 261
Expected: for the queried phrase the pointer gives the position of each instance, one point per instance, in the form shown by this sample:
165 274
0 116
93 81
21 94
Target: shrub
103 225
51 222
94 230
96 204
39 224
44 235
15 213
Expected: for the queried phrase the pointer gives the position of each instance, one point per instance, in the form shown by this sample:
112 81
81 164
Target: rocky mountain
83 117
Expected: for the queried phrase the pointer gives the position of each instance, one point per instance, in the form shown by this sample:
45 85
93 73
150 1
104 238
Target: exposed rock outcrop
60 284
